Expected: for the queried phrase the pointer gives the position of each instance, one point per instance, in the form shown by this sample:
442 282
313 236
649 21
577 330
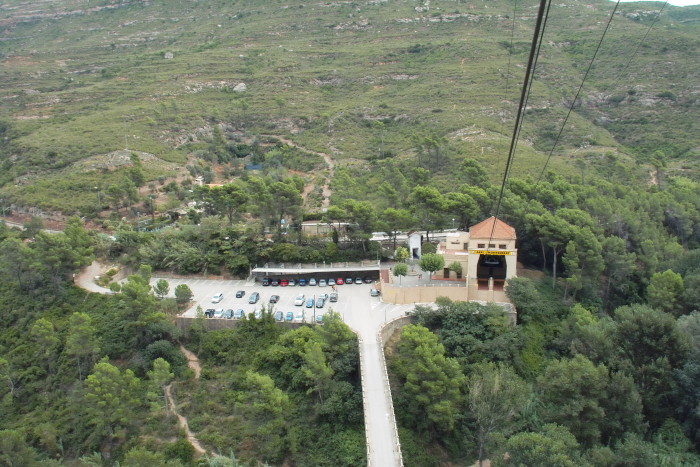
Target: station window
481 245
502 246
492 245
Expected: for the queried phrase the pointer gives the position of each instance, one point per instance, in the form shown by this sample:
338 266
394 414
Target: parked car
290 316
254 297
348 280
323 296
339 281
284 282
310 303
358 280
319 319
266 281
373 292
279 316
322 283
299 301
209 313
238 314
274 282
228 314
274 298
331 281
320 302
217 298
368 280
302 282
219 313
240 293
333 297
299 317
292 282
258 314
312 281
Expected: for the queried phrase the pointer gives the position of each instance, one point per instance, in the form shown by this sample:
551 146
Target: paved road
364 314
380 423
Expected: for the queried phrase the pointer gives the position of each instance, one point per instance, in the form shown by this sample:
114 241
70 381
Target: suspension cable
573 102
540 24
639 45
506 90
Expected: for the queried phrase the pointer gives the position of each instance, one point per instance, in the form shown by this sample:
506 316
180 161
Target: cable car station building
491 255
488 257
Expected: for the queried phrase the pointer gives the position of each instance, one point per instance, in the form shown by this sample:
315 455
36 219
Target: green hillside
363 81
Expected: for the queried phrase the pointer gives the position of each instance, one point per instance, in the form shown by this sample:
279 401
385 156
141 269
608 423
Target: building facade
487 255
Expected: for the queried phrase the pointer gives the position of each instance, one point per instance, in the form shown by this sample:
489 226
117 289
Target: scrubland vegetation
383 116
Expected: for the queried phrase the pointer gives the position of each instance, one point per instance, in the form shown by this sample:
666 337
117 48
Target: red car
339 281
284 282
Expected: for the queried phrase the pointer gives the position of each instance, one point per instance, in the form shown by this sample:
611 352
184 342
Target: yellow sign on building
492 252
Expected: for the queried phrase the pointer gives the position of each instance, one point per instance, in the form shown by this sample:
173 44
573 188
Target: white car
217 298
299 301
299 317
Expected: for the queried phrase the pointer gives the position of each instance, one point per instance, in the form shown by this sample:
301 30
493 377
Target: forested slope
418 84
84 375
113 109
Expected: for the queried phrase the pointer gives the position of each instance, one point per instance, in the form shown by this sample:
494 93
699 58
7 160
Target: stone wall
428 294
392 326
421 294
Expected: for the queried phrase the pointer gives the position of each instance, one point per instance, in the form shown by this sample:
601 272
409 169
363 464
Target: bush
181 450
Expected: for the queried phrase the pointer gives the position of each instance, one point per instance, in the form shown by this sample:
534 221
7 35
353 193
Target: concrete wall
421 294
392 326
486 295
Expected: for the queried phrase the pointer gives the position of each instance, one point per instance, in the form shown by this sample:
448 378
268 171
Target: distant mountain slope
363 81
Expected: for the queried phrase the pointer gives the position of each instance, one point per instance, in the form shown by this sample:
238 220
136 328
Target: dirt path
326 189
182 422
86 280
192 361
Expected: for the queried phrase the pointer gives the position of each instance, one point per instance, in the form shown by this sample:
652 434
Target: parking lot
355 305
363 313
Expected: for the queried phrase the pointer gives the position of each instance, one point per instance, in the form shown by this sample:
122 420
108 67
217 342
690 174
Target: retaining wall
428 294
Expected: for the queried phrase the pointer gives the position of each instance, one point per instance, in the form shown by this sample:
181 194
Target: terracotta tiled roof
483 229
